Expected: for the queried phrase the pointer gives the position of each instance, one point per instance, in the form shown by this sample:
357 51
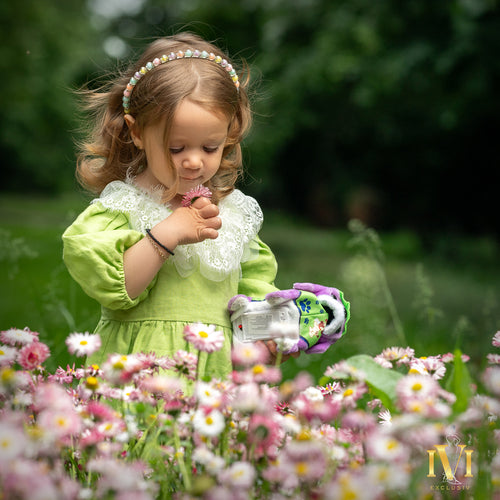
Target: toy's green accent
313 317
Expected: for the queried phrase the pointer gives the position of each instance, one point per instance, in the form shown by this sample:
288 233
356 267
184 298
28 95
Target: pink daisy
248 354
204 337
496 339
59 423
305 459
15 336
491 379
33 355
83 344
493 359
263 431
193 194
184 363
238 475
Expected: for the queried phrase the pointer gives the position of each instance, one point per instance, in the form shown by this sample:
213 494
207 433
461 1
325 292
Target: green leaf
460 383
381 381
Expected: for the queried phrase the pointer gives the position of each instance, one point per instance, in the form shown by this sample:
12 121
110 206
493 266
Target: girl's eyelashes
207 149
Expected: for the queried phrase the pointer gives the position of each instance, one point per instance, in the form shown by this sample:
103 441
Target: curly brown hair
109 153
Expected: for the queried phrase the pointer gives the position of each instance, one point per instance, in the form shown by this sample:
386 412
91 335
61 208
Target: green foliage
360 106
460 383
45 49
381 381
42 295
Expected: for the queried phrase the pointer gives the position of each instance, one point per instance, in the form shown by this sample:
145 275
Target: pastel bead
172 56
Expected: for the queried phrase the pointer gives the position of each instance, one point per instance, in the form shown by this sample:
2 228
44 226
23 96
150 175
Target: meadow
400 293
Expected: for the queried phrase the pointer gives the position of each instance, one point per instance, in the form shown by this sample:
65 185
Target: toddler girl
171 123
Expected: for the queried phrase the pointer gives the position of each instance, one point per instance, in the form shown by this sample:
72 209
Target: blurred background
382 111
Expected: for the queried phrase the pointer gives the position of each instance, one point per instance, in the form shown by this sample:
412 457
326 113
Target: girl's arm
141 262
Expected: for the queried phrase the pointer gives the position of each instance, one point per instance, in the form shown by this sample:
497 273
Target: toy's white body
260 320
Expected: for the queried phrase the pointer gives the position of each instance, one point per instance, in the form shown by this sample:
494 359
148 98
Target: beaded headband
171 57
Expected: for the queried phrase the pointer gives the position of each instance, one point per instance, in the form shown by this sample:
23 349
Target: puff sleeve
258 274
93 248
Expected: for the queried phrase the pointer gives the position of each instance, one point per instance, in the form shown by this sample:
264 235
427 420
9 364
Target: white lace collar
216 259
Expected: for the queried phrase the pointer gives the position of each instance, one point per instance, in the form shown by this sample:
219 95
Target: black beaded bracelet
148 231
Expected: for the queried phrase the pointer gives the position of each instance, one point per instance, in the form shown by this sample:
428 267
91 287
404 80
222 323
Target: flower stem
179 455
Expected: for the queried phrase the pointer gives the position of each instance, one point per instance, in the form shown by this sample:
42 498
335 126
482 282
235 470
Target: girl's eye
210 149
175 150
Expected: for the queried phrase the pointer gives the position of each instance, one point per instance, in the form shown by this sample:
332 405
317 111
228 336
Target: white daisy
208 423
239 474
83 344
7 355
12 442
207 395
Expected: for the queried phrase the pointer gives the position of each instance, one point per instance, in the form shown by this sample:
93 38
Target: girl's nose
192 161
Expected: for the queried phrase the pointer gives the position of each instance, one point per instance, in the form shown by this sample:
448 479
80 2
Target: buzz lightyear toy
308 317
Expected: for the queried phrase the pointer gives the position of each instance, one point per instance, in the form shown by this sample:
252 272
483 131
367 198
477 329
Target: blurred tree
383 110
46 49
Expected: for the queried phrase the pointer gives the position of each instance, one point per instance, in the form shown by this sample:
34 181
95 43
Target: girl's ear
134 133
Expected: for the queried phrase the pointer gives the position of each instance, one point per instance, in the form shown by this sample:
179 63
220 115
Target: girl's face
196 143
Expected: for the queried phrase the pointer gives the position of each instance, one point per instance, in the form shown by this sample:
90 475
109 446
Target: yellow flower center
6 375
392 444
301 468
349 495
203 334
209 420
417 386
258 369
348 392
304 435
83 342
61 421
92 383
1 352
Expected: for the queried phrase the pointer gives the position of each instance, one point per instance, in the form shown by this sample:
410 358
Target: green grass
455 304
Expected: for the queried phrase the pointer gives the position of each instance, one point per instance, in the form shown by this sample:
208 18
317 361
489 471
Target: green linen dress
193 286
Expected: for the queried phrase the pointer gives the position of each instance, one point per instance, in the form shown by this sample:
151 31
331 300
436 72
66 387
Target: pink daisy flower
493 359
204 337
496 339
248 354
263 431
417 386
193 194
59 423
33 355
491 379
238 475
14 336
383 446
184 363
83 344
305 459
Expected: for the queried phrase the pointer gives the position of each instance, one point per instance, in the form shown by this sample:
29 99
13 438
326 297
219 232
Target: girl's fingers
209 211
209 233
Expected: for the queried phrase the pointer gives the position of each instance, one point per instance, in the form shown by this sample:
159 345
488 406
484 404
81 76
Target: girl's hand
191 224
272 349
